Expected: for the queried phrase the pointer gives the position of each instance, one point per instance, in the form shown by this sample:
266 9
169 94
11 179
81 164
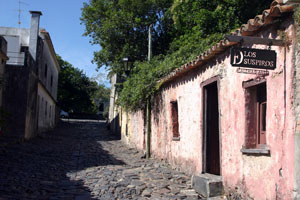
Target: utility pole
150 42
148 106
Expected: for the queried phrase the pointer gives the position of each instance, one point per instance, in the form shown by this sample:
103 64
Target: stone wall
3 59
19 100
31 111
15 100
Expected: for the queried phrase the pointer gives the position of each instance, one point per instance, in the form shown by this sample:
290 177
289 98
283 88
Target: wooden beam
291 1
254 40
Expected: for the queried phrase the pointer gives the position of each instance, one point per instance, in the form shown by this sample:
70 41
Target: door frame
215 79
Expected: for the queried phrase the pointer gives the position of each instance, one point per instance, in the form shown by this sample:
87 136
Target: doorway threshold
208 185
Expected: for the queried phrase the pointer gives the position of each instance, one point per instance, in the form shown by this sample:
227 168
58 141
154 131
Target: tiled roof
277 9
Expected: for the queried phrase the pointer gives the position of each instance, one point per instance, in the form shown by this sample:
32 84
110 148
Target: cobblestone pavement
81 160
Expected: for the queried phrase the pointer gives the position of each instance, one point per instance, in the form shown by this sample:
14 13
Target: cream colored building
47 86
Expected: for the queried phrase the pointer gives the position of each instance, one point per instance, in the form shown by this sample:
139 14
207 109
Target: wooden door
211 130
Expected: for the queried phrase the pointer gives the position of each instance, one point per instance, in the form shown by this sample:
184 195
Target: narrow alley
81 160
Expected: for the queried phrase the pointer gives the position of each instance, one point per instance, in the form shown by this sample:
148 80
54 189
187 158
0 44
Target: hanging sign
253 58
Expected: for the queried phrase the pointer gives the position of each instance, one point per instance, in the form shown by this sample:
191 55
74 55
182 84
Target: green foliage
182 30
195 20
246 9
101 95
143 81
297 14
75 89
120 27
205 17
106 112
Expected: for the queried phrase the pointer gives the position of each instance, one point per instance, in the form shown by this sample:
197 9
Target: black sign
253 58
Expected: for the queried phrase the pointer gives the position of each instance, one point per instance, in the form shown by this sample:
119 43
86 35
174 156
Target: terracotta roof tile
277 9
276 2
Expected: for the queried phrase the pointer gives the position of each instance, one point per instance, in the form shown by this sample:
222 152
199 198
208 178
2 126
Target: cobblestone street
81 160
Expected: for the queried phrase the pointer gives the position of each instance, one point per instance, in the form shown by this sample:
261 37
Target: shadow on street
45 167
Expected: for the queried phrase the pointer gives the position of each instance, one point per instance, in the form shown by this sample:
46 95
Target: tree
102 93
120 27
75 89
196 20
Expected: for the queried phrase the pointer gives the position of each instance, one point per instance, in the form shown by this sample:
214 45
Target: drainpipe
34 33
148 106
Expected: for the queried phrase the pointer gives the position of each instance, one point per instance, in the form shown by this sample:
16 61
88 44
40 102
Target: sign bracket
254 40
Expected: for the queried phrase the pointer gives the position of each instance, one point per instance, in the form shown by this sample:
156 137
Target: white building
31 79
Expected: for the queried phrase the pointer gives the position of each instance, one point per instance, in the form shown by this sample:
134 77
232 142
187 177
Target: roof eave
50 44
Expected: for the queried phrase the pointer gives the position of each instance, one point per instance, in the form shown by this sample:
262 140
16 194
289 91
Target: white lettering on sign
249 54
262 63
241 57
253 58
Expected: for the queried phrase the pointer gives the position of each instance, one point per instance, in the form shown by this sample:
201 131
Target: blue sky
61 18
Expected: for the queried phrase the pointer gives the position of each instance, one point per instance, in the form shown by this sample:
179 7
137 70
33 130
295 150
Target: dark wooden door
211 129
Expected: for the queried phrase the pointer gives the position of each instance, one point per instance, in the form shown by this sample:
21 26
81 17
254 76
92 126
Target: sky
61 18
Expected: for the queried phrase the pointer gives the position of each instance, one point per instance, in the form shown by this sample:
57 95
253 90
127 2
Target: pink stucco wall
260 177
135 134
137 130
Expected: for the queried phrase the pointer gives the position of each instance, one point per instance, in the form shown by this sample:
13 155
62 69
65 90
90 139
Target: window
175 124
50 110
51 81
256 113
46 105
24 49
46 70
101 107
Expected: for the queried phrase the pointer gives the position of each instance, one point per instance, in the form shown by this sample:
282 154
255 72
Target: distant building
113 113
102 105
31 79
